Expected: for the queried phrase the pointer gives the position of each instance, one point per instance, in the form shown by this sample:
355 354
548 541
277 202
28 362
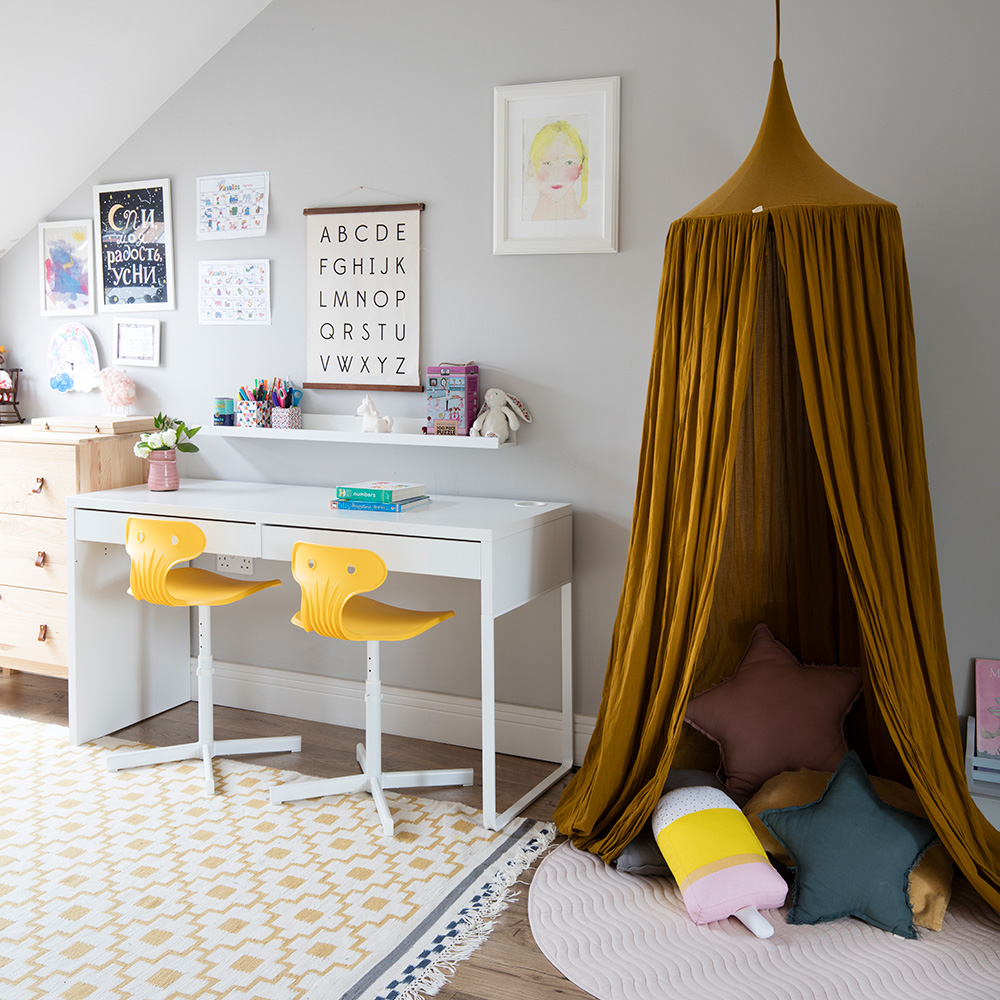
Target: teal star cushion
853 853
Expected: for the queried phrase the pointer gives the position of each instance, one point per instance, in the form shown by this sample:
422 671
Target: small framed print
555 167
137 342
66 266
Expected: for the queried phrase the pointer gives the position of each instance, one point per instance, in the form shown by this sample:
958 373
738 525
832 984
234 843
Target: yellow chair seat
156 547
201 587
363 619
331 578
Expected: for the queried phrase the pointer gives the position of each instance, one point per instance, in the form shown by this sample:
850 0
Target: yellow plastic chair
156 547
332 580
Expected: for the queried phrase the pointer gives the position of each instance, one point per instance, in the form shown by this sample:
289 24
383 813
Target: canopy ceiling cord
787 259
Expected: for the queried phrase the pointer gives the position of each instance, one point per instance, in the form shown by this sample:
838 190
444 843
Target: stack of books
380 495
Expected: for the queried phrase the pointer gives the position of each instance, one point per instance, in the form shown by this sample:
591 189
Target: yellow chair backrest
155 547
329 578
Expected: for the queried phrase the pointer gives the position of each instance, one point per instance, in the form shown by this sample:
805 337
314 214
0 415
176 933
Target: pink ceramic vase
163 470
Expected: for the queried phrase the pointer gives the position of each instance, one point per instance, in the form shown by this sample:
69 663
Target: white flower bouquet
167 434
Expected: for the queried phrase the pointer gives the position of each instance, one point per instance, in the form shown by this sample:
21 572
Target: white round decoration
73 359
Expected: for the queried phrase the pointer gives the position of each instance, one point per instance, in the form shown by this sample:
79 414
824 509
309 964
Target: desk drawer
26 542
402 553
236 538
24 616
37 478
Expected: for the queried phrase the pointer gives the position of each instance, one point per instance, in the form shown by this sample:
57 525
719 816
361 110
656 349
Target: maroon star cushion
774 714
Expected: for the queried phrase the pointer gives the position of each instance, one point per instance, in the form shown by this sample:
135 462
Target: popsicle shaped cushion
716 858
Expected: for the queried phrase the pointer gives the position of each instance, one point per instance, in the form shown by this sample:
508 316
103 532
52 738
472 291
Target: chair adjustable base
206 746
373 783
117 760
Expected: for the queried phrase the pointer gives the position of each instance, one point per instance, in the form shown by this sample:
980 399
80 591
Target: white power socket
238 565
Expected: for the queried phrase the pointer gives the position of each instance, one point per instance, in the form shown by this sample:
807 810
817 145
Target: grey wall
899 95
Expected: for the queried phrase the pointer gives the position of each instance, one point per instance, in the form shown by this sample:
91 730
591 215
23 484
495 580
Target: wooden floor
508 966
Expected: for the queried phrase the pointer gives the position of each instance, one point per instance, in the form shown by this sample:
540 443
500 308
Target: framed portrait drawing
137 342
135 265
66 267
555 167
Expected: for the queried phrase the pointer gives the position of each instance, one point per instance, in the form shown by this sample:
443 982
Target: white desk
130 660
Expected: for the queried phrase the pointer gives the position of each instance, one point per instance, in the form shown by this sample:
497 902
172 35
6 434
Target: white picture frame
134 252
66 267
555 168
137 342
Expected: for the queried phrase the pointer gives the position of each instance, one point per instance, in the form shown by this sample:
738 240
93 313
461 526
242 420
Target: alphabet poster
135 267
363 297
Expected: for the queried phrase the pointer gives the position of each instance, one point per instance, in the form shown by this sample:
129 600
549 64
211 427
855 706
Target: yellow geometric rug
133 886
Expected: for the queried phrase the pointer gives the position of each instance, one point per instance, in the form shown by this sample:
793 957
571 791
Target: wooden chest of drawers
38 470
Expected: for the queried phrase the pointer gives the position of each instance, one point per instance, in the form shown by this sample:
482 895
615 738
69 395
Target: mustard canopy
782 478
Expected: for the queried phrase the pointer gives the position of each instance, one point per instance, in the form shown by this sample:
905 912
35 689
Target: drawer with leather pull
34 633
39 469
37 478
33 552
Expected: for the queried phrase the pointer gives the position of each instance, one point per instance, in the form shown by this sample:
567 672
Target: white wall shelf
346 430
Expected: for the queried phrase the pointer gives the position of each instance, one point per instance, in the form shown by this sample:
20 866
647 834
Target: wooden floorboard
509 965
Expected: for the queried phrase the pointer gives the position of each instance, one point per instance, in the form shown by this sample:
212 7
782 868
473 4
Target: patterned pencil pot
287 416
250 413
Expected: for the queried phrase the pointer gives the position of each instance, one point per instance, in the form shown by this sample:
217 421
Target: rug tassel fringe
479 924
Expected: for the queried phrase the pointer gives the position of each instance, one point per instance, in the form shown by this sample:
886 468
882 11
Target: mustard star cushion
774 714
853 853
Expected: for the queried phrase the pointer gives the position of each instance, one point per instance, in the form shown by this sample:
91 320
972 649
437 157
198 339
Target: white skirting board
424 715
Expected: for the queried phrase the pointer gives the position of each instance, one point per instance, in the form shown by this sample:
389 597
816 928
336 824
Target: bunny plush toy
499 415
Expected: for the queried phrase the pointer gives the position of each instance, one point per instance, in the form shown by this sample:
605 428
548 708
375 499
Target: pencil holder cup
287 416
250 413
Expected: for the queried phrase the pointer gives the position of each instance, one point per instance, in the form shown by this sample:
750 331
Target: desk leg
490 818
489 710
566 626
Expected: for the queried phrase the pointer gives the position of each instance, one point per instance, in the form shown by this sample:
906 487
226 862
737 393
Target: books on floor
393 507
381 491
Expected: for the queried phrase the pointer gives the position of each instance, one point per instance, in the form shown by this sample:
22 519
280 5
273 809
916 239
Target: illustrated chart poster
135 261
232 205
363 297
234 292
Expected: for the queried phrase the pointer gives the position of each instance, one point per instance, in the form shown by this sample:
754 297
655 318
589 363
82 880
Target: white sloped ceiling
78 78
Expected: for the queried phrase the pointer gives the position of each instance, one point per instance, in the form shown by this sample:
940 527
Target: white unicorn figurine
371 419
